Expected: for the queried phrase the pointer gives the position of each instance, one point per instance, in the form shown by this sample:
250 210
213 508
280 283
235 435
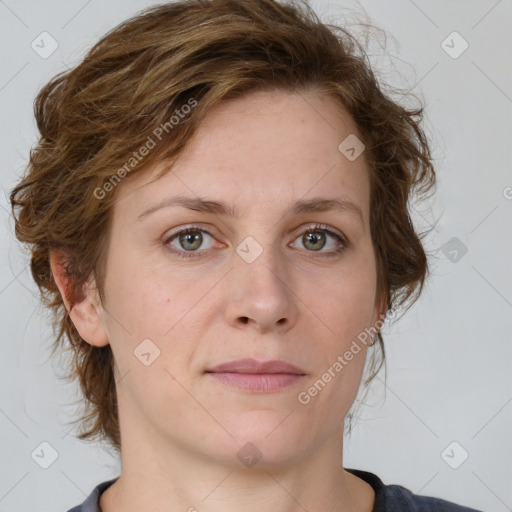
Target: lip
257 376
256 367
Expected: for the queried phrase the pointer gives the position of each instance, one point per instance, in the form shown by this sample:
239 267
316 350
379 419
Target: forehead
263 151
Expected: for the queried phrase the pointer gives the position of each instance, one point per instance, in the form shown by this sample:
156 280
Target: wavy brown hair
92 119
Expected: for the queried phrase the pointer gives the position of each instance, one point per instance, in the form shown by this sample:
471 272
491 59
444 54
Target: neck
176 478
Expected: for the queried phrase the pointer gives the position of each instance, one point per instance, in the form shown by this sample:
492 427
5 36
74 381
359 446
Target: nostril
244 319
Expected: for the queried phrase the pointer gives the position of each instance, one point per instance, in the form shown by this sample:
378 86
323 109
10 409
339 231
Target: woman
217 212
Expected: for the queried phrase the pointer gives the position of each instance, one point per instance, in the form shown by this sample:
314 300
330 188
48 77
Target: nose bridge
262 293
263 267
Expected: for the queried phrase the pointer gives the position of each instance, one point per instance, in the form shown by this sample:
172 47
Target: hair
138 79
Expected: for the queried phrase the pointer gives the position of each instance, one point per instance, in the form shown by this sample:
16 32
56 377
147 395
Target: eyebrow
318 204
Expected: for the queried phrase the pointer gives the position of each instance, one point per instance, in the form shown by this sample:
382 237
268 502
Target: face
261 278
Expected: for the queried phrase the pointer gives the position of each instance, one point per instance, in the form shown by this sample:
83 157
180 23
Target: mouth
257 376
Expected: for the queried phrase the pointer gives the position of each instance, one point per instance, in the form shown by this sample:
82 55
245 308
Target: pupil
312 237
194 239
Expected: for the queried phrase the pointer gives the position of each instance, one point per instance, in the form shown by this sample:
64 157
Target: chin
263 435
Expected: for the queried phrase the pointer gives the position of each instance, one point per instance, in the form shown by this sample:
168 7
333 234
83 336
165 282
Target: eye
315 238
188 240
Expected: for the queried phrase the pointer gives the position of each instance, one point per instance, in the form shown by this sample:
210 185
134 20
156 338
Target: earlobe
86 312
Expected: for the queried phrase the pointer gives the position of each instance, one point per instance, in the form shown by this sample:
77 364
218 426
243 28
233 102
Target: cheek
142 297
347 299
150 308
147 315
167 307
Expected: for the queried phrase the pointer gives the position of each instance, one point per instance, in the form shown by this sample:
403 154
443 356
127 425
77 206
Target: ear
86 315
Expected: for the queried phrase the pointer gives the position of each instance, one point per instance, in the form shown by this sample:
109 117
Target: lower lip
258 382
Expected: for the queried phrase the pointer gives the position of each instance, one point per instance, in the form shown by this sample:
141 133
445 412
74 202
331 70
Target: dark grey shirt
388 498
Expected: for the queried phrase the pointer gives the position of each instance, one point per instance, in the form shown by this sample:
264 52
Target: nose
262 297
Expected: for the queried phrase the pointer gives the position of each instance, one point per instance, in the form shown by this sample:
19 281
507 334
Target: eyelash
343 242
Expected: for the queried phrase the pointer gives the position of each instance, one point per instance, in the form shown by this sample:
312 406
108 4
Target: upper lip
254 366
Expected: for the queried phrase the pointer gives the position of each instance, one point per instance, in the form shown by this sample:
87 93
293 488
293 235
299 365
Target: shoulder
399 498
92 502
395 498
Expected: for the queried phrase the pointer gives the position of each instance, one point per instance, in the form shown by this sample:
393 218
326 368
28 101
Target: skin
181 429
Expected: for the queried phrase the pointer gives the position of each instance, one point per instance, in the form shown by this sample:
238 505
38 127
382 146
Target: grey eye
190 239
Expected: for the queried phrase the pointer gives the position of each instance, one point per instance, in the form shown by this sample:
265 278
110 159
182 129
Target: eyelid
322 227
197 227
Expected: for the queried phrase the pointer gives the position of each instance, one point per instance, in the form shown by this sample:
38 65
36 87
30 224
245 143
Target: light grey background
448 359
